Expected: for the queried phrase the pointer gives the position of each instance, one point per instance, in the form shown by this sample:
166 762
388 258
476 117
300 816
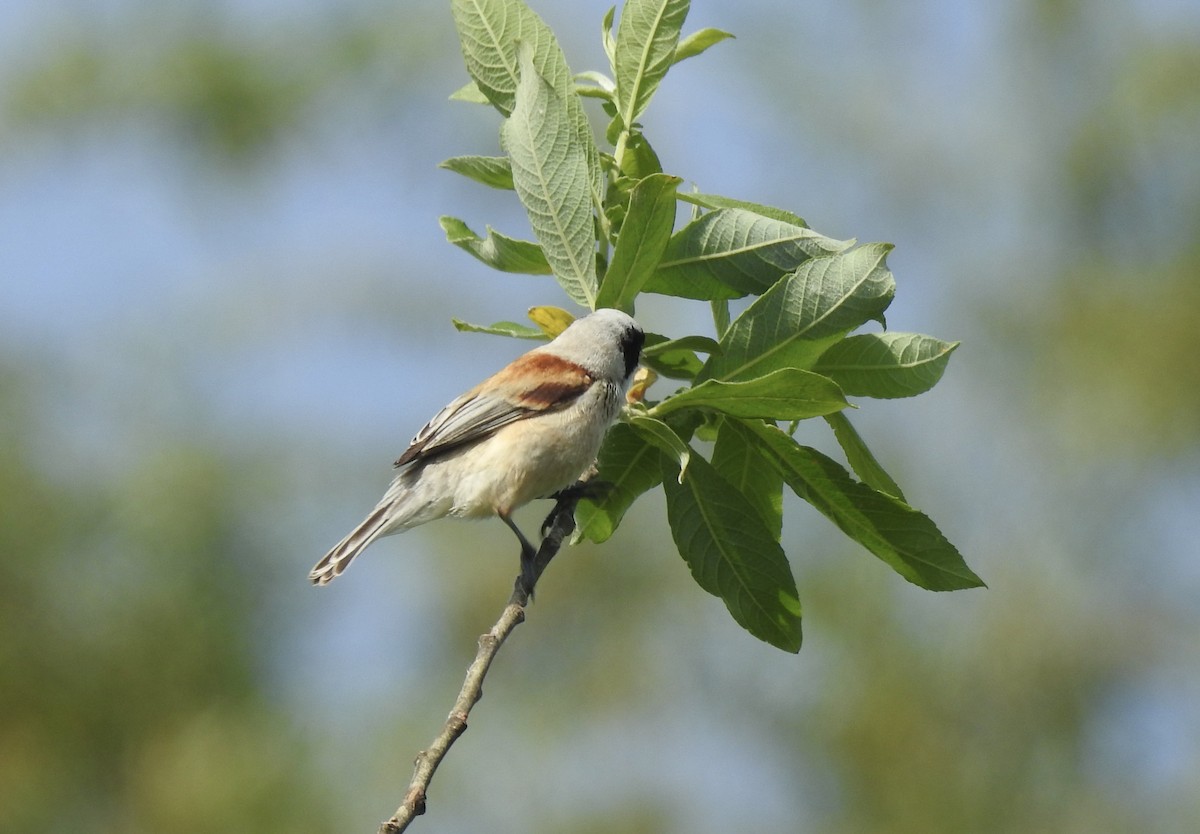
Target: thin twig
560 524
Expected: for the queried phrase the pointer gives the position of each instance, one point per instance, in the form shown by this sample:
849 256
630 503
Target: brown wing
532 384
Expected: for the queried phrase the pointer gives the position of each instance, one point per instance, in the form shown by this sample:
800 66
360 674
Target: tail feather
337 559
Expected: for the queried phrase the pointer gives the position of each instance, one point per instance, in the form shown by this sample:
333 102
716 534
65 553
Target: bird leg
528 555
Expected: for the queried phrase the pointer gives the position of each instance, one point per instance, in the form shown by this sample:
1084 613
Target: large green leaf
732 554
489 32
644 236
787 394
886 365
497 251
645 50
733 252
737 457
552 176
904 538
628 466
796 320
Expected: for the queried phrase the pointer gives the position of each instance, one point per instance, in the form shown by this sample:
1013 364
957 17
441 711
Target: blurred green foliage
133 696
131 700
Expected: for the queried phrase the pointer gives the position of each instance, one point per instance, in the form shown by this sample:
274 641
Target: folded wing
535 383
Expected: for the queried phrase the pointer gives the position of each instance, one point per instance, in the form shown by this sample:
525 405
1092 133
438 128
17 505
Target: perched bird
526 432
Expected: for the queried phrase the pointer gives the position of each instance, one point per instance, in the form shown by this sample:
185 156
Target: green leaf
646 39
670 357
698 42
732 555
497 251
492 171
861 460
583 138
469 93
716 201
737 457
659 434
643 238
796 320
489 32
606 38
729 253
675 358
601 85
631 466
663 345
551 174
902 537
886 365
640 160
787 394
501 328
720 314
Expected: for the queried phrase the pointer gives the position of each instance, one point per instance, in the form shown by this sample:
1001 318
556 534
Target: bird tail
337 559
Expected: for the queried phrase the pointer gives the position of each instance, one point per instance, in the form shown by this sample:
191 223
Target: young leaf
732 252
731 554
606 38
886 365
489 31
646 39
644 236
737 457
501 328
697 42
492 171
601 85
903 538
630 466
552 177
497 251
861 460
787 394
550 320
794 322
659 434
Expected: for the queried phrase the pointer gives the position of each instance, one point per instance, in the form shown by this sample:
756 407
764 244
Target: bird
526 432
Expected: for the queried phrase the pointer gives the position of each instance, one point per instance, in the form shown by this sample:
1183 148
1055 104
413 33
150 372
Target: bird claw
575 492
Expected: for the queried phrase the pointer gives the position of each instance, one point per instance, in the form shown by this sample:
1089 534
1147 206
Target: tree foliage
605 224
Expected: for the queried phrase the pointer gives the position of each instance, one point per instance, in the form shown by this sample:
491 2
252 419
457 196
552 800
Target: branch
559 524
